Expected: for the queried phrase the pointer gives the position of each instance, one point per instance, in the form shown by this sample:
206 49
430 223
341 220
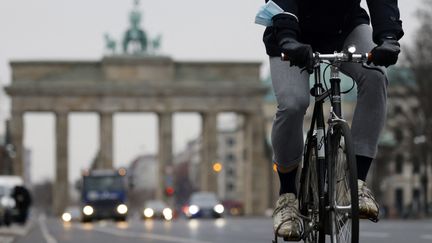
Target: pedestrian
23 202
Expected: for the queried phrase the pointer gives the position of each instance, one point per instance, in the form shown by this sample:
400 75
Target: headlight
7 202
67 217
193 209
122 209
167 213
88 210
219 208
148 212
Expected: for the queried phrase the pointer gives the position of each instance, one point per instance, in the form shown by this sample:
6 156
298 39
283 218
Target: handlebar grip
369 57
284 57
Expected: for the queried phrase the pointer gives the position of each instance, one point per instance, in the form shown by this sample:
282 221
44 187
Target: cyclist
307 26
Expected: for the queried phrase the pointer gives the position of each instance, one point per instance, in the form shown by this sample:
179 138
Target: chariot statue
135 40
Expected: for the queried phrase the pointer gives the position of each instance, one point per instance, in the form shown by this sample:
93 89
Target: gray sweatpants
291 88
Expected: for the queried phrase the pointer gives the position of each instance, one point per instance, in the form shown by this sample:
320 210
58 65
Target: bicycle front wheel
343 194
308 193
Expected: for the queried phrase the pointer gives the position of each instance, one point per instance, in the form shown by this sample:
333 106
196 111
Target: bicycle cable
324 79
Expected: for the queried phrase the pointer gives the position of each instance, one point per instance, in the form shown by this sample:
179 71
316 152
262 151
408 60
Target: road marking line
426 237
129 234
16 230
6 239
47 236
374 234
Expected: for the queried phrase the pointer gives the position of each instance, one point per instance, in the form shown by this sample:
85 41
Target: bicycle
327 176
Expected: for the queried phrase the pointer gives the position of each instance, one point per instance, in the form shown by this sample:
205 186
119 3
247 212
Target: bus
104 195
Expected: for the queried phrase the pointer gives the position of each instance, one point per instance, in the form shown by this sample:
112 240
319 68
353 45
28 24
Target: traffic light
169 191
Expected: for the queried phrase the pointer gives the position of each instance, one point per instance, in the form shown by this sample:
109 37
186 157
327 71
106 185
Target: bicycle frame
318 122
319 141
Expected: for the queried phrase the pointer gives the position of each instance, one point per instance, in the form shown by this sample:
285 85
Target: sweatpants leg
370 113
291 88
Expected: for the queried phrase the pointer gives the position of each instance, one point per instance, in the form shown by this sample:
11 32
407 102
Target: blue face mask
266 13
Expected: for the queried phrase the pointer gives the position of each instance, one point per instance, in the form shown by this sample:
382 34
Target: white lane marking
374 234
6 239
47 236
426 237
15 230
130 234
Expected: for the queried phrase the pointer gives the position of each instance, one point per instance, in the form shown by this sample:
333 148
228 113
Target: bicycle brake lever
372 68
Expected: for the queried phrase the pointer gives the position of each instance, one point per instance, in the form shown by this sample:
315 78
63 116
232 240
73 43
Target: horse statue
110 44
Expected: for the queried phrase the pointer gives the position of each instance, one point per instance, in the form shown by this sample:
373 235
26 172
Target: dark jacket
326 23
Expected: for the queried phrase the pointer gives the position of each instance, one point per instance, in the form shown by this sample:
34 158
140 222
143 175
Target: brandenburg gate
127 83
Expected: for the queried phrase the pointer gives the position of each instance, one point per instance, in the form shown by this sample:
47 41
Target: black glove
298 54
386 53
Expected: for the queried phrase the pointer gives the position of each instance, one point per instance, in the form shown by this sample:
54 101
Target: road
238 230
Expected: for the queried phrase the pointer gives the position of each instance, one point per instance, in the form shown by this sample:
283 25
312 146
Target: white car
157 209
204 205
72 213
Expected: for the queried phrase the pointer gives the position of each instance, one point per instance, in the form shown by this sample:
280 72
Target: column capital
105 112
61 112
17 113
209 112
164 112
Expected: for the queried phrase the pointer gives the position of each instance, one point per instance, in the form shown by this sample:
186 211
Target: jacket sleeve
385 19
286 25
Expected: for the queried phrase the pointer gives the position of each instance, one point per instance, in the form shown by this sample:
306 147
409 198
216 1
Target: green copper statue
135 38
110 44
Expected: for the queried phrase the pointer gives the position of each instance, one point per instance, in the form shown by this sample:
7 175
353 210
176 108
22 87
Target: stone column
105 160
256 186
209 146
165 153
61 184
17 131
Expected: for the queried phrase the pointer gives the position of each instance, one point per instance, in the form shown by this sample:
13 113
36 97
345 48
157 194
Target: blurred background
156 114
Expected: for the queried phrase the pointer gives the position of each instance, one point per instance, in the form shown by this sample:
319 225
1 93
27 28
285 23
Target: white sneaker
286 218
368 206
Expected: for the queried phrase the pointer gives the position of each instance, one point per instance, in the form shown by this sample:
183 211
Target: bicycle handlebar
338 57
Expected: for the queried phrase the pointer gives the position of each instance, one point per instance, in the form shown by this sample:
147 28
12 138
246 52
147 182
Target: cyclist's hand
299 54
387 53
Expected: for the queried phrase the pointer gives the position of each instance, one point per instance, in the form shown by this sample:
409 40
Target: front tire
343 191
308 192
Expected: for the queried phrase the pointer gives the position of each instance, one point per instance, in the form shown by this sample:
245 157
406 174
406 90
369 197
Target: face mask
266 13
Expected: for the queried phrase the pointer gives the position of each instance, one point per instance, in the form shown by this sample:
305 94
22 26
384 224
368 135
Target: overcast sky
74 29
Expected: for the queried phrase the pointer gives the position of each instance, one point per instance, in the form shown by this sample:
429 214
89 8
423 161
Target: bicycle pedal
294 239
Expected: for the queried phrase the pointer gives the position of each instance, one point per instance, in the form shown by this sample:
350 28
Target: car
71 214
156 209
204 205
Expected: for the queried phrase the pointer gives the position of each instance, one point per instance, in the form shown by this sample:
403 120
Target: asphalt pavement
235 230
